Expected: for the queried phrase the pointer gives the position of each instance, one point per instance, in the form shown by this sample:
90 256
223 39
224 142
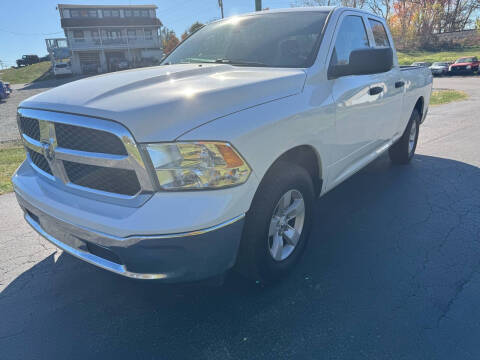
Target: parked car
62 69
465 65
27 60
183 171
3 91
8 87
439 68
421 63
119 64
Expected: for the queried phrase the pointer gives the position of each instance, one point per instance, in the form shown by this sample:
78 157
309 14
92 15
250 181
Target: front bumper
177 257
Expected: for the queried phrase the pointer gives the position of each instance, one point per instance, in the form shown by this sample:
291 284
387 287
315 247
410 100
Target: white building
102 36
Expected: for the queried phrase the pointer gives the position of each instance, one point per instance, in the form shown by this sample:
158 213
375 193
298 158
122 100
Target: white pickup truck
213 160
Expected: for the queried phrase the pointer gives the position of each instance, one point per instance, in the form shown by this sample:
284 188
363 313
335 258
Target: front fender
263 133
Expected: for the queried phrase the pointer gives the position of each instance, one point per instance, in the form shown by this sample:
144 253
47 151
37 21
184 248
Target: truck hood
161 103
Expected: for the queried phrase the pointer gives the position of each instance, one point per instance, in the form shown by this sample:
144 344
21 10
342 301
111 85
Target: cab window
379 33
352 35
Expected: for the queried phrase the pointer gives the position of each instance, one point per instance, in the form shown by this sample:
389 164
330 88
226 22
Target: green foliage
10 159
194 27
447 96
406 58
26 74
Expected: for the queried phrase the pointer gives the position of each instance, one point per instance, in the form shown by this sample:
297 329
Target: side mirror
363 62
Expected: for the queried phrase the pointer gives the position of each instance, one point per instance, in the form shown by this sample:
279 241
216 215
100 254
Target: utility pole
220 3
258 5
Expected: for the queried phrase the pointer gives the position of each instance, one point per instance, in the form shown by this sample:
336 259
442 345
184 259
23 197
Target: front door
355 128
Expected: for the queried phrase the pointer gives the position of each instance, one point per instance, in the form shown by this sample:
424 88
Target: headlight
197 165
469 67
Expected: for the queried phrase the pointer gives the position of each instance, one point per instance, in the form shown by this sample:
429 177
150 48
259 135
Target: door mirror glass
363 62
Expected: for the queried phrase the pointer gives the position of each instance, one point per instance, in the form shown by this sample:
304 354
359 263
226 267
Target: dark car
3 91
465 65
28 60
119 64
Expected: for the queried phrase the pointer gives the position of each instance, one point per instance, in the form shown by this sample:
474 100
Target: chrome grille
39 161
85 154
101 178
30 127
84 139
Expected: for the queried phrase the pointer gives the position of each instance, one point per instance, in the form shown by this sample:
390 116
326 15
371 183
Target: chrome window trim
55 155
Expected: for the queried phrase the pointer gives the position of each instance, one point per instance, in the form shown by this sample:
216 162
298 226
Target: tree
168 39
194 27
381 8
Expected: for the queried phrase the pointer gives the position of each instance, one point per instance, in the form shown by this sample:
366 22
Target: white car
440 68
62 69
212 161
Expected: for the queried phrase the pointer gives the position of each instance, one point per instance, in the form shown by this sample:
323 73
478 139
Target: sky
24 24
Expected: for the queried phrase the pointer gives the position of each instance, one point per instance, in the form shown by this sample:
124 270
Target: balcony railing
117 43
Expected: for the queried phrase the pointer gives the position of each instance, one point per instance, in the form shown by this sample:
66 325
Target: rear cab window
379 33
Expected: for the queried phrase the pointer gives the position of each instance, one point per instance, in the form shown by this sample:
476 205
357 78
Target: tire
403 150
256 254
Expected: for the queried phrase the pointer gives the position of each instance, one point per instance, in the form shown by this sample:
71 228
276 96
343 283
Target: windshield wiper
240 63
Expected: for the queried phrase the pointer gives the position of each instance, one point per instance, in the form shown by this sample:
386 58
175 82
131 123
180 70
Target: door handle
375 90
399 84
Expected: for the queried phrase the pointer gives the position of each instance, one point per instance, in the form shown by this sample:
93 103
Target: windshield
465 60
440 64
273 40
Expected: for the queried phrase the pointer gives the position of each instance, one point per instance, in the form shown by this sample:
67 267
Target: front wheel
278 223
403 150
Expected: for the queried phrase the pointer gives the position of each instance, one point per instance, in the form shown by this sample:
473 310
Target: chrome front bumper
177 257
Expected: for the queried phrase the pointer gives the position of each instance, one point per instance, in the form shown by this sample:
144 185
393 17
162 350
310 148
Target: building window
81 13
132 34
113 37
148 34
136 13
95 36
78 36
111 13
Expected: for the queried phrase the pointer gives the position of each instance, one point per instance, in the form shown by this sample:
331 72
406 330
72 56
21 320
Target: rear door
390 86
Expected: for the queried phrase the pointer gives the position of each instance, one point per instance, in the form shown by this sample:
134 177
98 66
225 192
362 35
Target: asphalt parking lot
392 271
8 107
